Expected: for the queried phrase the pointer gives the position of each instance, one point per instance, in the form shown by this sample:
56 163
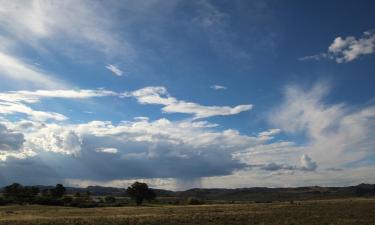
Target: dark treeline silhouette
137 193
19 194
16 193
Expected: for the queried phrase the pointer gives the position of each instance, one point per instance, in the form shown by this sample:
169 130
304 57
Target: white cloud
218 87
19 155
267 135
26 74
8 108
71 23
194 134
35 96
141 118
347 49
55 138
316 57
350 48
159 95
136 149
152 95
307 163
114 70
205 111
107 150
53 28
336 134
16 101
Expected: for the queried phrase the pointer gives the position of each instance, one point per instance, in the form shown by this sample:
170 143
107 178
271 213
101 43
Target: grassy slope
334 212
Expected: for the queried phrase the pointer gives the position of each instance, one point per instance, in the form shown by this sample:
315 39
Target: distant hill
257 194
263 194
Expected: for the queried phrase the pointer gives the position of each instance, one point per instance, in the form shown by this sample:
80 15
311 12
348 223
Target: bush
43 200
67 199
83 204
3 201
109 199
194 201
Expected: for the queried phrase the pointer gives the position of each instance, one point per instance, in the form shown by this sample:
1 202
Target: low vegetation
332 212
98 205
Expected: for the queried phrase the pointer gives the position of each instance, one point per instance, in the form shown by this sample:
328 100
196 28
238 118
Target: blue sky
184 94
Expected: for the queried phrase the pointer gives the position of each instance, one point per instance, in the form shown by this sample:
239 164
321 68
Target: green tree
139 192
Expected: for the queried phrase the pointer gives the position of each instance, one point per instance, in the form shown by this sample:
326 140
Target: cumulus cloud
307 163
114 70
54 138
218 87
159 95
103 151
347 49
190 150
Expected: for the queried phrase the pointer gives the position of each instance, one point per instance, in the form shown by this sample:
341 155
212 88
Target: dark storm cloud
10 140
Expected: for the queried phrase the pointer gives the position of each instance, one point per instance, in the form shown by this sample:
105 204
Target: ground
330 212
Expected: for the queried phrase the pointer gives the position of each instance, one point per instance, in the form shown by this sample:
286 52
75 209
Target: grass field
332 212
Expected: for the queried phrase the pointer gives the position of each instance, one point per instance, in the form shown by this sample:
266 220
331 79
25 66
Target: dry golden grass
332 212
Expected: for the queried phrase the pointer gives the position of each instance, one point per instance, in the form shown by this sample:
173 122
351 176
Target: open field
333 212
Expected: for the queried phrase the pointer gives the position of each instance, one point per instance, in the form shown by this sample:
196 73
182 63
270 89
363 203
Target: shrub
194 201
3 201
44 200
109 199
67 199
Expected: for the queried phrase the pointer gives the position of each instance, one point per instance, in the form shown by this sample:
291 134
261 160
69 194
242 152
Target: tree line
19 194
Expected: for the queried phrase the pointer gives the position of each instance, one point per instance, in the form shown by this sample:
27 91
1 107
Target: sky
182 94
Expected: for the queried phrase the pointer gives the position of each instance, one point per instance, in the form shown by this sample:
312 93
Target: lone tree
140 191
